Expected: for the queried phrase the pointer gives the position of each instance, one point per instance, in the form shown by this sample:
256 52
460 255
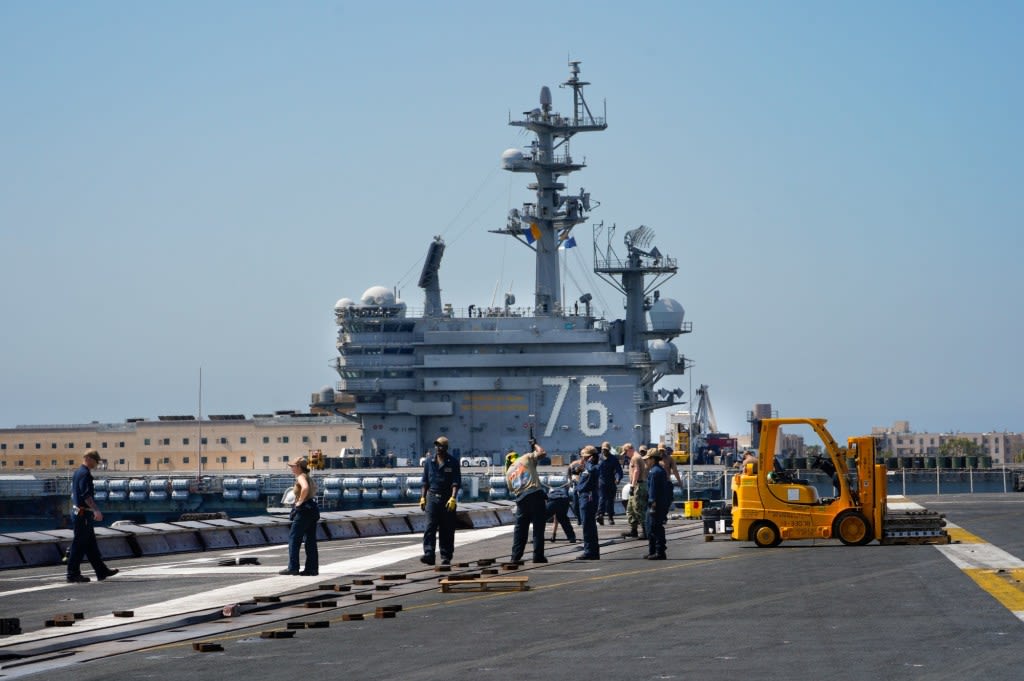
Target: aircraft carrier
483 376
717 609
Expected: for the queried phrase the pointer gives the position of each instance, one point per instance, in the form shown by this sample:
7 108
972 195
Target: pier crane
703 441
770 504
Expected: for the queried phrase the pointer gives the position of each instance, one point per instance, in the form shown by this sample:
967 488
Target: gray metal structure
485 376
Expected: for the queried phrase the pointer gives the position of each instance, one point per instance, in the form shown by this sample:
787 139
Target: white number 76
586 406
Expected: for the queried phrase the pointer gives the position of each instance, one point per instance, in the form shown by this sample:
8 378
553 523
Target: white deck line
215 599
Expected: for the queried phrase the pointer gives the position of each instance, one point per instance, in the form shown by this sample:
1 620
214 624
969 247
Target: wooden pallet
517 583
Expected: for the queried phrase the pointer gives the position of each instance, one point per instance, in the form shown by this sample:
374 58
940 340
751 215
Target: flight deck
716 609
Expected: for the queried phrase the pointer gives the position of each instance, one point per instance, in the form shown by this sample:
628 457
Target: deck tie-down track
261 613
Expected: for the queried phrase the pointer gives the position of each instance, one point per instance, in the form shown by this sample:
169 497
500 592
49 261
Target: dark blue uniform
558 508
586 490
659 499
84 542
439 479
610 473
303 531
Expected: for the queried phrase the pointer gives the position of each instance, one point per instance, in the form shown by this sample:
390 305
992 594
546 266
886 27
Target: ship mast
629 275
546 224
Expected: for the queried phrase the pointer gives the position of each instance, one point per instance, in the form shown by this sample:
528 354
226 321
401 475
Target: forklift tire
765 534
852 528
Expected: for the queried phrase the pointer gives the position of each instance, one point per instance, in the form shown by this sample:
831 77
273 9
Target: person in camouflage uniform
636 507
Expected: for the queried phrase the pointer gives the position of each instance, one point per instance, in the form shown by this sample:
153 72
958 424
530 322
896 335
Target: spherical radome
378 295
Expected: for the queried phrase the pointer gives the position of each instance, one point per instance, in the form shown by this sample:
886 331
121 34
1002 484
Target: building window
203 460
323 438
71 445
3 445
121 444
202 440
305 440
184 440
38 446
21 464
145 461
166 460
222 459
166 441
241 440
53 463
71 462
222 440
343 438
103 445
283 439
266 459
21 445
146 442
38 463
88 445
184 459
120 462
244 459
53 445
266 440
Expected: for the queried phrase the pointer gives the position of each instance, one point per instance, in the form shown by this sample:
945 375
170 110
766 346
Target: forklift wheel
765 534
852 528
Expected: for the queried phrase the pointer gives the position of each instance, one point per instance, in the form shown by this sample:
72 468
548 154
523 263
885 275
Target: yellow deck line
1004 585
990 567
959 534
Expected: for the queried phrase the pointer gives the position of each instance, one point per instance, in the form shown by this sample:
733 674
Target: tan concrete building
900 442
179 444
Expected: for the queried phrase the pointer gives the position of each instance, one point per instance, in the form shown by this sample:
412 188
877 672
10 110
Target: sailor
669 464
531 503
659 494
85 512
442 480
572 472
304 516
558 510
636 507
748 457
586 489
609 473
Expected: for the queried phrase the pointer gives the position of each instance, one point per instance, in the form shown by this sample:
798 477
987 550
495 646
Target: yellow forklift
770 503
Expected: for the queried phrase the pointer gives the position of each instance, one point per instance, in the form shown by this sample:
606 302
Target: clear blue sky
195 184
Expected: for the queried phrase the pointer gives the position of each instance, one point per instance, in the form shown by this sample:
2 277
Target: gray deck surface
715 610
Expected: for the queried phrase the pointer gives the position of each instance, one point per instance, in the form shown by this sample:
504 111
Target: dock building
179 444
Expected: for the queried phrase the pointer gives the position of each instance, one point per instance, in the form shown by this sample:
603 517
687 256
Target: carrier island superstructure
486 376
